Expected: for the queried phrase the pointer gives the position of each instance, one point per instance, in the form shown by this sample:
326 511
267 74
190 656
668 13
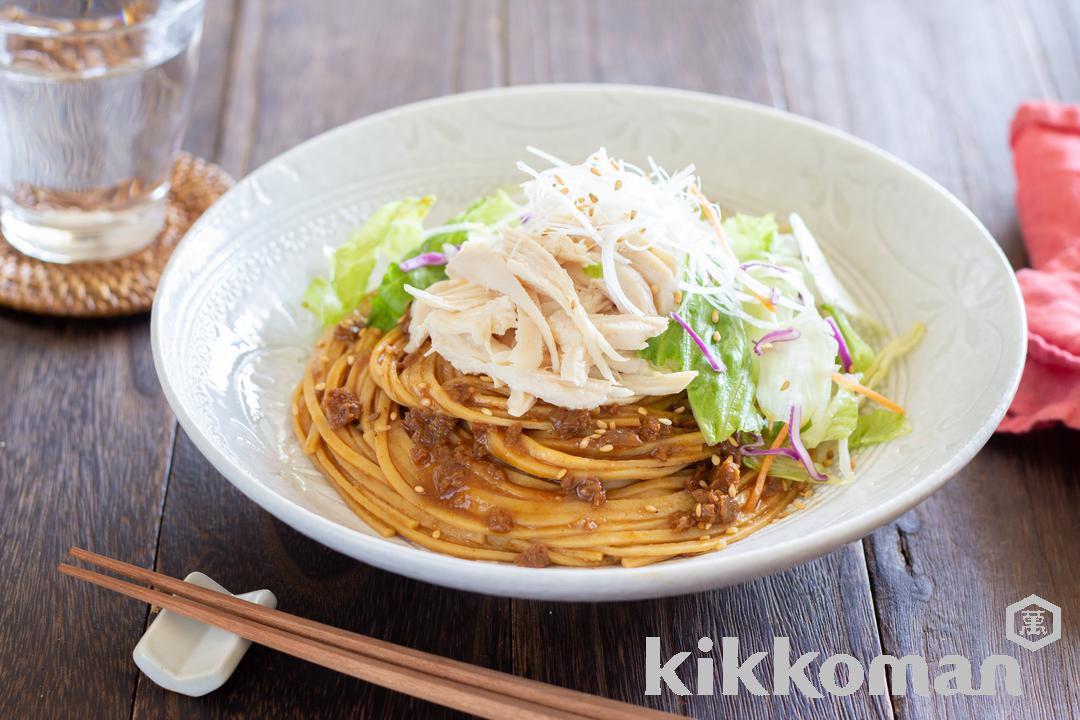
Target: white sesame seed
436 534
732 530
606 448
486 411
642 411
618 184
786 384
350 359
652 509
715 459
320 387
595 171
716 336
680 410
716 316
732 491
664 421
393 416
426 402
584 443
601 424
418 489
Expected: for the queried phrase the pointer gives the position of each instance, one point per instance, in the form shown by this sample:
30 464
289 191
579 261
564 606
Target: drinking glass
94 99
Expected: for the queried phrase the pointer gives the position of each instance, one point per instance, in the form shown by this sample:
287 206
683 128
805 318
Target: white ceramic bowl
230 338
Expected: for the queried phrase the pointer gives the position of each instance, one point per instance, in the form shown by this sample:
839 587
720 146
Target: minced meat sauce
588 489
710 487
500 521
340 407
570 423
449 464
536 556
427 427
652 429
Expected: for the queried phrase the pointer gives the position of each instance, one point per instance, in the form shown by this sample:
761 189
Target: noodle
419 450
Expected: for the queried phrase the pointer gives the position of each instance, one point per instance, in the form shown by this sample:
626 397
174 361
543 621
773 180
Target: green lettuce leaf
723 403
878 426
390 300
781 467
861 352
323 301
840 419
596 270
750 236
393 230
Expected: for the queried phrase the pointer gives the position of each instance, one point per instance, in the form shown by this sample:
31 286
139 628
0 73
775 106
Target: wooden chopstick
466 698
478 690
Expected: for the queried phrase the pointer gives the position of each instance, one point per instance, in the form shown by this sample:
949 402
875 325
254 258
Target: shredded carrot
763 473
763 300
863 390
710 217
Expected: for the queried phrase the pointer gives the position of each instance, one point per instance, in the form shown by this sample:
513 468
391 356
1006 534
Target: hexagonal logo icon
1033 623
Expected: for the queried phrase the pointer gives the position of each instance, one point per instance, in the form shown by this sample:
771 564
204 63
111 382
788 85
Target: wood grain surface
90 454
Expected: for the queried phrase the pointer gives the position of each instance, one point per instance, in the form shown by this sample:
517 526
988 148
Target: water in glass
94 98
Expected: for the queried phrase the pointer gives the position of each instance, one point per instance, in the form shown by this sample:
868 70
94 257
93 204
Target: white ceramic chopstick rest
188 657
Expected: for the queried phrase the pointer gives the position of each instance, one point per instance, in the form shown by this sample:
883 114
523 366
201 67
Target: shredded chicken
520 307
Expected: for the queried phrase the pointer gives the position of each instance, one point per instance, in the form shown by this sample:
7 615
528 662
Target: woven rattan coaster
117 287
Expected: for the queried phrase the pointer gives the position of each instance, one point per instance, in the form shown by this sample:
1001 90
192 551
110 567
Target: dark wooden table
90 454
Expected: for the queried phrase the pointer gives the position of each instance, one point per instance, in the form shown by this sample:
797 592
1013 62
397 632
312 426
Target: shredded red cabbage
709 357
771 266
796 452
802 455
781 335
786 452
841 346
756 440
423 260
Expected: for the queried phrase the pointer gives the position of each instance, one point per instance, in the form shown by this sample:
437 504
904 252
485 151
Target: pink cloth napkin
1045 140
